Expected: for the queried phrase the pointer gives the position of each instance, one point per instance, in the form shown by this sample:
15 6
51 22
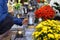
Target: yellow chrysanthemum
45 39
39 25
55 35
44 31
58 29
58 35
49 28
38 34
44 28
39 39
50 31
50 35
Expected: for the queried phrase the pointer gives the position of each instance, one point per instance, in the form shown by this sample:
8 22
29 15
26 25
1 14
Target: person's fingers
25 21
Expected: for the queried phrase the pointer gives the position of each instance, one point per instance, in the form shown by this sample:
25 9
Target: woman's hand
25 21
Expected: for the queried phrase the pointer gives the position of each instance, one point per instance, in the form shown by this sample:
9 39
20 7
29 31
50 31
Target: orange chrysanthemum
45 12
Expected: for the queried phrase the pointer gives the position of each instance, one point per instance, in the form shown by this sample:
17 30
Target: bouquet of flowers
17 5
47 30
45 12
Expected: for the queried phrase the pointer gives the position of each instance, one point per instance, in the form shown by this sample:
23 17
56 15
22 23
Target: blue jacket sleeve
3 14
17 21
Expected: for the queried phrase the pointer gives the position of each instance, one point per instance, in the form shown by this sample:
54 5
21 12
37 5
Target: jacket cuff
18 21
